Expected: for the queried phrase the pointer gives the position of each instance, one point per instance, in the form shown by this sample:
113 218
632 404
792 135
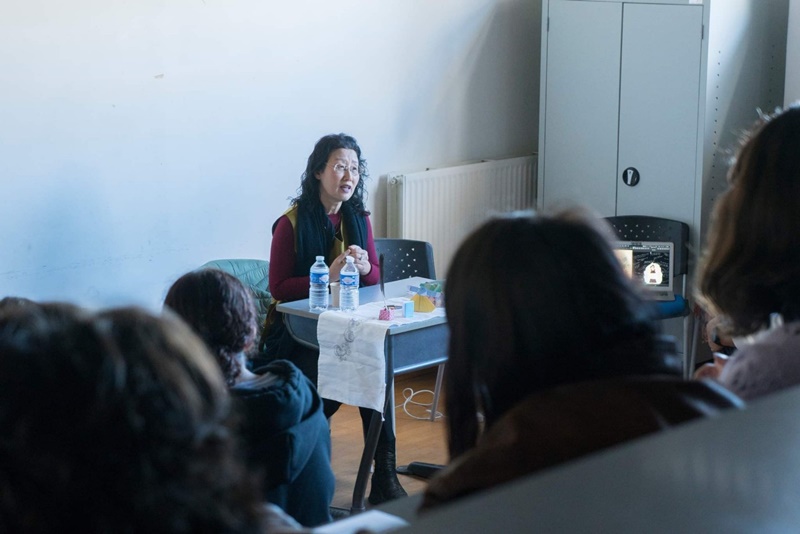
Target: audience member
328 218
553 354
115 422
285 432
750 272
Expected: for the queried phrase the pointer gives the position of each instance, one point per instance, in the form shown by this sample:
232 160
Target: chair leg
693 349
687 339
436 390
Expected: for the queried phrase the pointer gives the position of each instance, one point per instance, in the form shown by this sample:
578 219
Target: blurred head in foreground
534 302
115 421
751 265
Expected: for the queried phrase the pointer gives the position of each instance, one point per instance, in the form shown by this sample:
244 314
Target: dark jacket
563 423
287 436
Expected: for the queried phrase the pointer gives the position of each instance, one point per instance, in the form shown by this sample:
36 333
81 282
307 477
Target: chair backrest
646 228
253 274
404 258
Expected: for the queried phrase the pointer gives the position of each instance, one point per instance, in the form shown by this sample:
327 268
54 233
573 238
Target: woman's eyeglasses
340 169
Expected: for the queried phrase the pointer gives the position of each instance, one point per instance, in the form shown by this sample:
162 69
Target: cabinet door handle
630 176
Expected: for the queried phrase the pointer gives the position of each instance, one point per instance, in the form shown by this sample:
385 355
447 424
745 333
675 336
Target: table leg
370 445
373 433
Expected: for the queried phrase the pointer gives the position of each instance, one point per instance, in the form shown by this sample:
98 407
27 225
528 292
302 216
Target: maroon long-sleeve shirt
283 285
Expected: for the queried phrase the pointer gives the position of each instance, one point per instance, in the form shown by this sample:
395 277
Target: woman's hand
360 259
715 341
712 369
335 267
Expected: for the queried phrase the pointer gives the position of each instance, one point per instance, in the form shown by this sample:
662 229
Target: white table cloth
352 361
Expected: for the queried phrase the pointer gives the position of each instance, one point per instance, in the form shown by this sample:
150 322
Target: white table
408 347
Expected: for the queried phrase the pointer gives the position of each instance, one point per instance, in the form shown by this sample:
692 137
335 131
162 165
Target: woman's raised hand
361 259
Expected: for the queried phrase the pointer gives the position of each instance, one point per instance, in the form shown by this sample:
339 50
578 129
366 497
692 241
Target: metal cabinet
642 102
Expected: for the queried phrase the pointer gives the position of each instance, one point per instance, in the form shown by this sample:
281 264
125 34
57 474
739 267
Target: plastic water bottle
348 284
318 285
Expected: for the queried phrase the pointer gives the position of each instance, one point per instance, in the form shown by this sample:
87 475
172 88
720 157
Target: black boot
385 485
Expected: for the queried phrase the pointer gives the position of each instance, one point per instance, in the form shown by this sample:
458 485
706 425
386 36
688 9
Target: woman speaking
328 218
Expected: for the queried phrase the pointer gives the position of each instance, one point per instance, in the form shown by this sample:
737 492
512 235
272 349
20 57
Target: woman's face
338 180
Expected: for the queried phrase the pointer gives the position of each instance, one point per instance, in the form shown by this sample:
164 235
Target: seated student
116 422
750 272
285 432
557 350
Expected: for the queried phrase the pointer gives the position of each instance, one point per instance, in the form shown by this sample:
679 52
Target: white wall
792 92
140 139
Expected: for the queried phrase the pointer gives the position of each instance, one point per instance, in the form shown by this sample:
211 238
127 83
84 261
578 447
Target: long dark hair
751 266
221 310
308 194
532 303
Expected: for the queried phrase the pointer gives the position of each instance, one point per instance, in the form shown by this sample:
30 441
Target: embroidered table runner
352 361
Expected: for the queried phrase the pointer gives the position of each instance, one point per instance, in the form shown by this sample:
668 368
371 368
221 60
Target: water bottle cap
349 259
320 258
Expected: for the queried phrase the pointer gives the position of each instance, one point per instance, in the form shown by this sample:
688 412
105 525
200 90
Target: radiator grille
443 205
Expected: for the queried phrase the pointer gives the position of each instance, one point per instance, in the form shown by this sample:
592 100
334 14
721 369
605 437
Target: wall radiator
441 206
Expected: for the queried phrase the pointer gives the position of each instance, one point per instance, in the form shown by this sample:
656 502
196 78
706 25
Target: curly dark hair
750 266
116 421
537 302
309 185
221 310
